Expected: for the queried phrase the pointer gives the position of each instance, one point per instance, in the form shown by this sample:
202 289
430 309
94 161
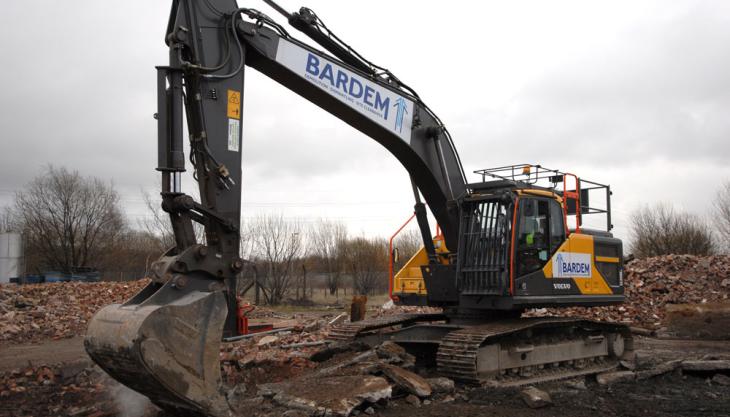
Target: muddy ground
59 381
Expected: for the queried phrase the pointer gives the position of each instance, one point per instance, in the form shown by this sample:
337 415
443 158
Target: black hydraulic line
442 162
307 22
232 26
302 21
278 9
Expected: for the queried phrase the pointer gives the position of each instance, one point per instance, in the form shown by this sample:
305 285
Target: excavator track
509 352
350 332
459 354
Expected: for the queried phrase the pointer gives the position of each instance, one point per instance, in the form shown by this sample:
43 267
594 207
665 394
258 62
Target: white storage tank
11 256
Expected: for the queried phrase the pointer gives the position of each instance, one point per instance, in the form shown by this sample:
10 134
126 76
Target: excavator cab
516 249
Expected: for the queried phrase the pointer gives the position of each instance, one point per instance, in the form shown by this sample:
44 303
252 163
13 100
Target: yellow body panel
409 280
579 243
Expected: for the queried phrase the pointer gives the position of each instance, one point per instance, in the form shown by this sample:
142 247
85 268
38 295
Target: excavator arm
164 342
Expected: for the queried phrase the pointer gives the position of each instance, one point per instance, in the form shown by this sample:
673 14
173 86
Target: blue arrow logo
561 266
400 106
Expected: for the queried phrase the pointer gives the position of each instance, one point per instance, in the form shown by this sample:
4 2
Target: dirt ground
84 391
52 351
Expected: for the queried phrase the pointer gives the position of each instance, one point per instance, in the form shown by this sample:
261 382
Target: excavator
504 244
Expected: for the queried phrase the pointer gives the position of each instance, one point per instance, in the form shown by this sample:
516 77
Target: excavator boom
164 342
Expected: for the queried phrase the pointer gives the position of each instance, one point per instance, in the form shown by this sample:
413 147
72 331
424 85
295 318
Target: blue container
31 279
91 276
94 276
54 276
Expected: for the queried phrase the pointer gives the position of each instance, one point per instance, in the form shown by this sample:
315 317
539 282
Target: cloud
654 91
628 93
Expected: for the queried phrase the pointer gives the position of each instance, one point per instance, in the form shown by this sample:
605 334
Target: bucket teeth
166 347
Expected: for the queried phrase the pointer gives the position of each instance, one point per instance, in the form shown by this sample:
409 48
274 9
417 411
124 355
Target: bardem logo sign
572 265
379 104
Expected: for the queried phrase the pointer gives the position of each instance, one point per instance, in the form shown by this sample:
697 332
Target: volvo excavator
505 245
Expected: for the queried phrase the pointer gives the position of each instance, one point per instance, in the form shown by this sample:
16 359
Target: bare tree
661 230
157 223
722 214
68 221
327 240
133 253
277 244
367 262
8 220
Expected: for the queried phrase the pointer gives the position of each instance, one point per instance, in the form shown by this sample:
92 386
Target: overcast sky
634 93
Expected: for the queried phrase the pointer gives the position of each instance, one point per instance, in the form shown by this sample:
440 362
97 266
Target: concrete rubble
660 369
535 398
69 386
706 365
336 395
441 385
407 380
654 288
298 373
608 378
653 284
351 382
56 310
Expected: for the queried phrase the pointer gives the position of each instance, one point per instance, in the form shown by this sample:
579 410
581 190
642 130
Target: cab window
557 227
541 231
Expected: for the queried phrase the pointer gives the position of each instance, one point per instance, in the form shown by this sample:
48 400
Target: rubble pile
359 382
389 309
245 361
56 310
653 283
73 390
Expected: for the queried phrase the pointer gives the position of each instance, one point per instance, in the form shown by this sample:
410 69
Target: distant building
11 256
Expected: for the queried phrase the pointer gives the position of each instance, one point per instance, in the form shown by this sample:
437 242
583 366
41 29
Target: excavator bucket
164 343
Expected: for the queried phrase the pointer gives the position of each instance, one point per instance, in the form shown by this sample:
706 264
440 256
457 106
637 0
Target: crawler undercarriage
502 352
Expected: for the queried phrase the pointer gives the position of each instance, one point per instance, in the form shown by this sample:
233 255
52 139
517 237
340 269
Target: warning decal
234 104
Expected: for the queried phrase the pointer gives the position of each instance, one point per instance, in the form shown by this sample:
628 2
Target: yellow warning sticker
234 104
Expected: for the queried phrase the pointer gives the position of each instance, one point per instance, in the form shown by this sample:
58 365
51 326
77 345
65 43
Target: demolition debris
653 284
30 313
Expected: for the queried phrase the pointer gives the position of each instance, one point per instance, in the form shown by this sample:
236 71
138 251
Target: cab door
540 232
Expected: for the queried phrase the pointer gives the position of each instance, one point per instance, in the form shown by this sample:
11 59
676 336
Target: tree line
69 222
282 253
662 229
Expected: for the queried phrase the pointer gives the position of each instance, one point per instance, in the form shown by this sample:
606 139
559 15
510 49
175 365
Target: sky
630 93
